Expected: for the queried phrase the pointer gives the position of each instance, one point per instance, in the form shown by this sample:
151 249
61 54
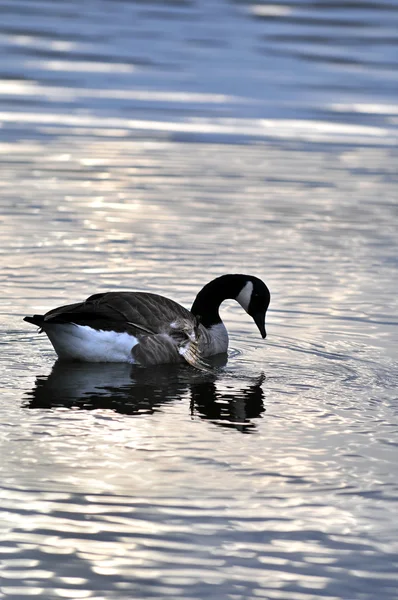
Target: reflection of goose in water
133 390
229 404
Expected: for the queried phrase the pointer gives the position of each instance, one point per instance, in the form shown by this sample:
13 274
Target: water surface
154 146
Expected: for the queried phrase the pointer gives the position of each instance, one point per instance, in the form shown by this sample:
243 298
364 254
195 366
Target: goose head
254 297
251 293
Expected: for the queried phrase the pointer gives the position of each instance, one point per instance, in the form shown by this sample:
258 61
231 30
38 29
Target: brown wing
139 313
167 331
156 350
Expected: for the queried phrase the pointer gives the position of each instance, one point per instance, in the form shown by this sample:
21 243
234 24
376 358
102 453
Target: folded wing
167 332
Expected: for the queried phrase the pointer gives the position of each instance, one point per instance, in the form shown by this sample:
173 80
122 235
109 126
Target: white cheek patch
245 295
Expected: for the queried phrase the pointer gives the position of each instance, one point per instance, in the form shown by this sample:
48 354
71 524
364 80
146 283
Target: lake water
154 146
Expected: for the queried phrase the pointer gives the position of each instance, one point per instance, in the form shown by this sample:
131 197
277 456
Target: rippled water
154 146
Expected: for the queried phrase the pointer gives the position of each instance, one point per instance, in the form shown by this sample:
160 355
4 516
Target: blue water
154 146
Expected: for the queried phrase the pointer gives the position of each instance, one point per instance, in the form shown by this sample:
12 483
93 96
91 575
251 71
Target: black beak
259 320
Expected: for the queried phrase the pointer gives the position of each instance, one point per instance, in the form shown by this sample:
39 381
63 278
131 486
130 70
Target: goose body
148 329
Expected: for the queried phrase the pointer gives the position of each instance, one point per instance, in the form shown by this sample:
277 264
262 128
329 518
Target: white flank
244 295
80 342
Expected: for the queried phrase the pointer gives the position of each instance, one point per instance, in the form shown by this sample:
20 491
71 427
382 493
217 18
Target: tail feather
35 320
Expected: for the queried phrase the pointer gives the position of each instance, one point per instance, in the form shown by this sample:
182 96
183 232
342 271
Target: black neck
207 302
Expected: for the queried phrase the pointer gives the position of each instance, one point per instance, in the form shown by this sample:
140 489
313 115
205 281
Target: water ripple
147 146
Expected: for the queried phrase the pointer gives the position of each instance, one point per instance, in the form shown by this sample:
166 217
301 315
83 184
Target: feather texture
163 330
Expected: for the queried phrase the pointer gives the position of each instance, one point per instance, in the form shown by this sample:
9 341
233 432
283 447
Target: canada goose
147 329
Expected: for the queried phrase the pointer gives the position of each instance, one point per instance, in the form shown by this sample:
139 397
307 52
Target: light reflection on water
148 146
